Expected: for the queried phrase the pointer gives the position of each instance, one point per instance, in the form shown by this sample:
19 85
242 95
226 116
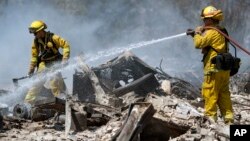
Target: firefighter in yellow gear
215 86
44 53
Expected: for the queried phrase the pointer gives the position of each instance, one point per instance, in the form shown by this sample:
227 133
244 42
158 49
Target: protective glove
190 32
199 30
30 73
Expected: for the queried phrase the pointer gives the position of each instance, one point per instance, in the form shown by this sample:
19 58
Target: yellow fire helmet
36 26
212 12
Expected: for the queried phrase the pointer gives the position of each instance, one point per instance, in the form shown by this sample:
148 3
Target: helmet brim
32 30
35 30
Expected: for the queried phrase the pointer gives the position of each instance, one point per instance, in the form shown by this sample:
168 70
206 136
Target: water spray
18 93
73 64
117 50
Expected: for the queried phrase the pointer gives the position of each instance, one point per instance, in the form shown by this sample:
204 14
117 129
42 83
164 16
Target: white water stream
17 94
117 50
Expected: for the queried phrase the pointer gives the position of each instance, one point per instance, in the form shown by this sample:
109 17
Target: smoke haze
93 25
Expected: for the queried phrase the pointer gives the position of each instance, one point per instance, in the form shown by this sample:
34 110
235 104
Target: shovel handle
20 78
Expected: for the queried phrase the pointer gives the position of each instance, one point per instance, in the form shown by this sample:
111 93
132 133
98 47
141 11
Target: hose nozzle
190 32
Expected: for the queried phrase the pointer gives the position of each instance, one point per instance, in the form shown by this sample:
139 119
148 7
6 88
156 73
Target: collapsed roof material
135 104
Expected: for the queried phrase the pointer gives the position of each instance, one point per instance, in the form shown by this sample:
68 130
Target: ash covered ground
131 101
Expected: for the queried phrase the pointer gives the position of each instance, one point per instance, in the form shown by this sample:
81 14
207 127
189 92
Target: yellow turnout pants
215 91
56 85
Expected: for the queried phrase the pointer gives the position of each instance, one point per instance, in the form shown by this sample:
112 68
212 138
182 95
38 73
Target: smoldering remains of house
119 76
124 99
127 73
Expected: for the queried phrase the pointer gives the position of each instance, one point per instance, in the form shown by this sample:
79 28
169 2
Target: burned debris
240 83
124 99
126 73
138 116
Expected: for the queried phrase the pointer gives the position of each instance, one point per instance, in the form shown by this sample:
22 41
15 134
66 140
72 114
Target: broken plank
99 92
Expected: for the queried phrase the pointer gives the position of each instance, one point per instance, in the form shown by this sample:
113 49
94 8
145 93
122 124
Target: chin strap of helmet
230 39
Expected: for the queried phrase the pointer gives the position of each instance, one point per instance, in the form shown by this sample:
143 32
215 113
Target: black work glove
30 73
190 32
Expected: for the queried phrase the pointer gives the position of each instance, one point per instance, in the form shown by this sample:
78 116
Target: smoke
16 40
44 79
93 25
89 26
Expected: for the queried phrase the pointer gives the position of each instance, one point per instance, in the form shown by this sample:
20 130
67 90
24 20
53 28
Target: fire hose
232 41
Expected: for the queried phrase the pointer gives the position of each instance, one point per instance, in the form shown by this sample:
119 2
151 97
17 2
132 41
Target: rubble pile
124 99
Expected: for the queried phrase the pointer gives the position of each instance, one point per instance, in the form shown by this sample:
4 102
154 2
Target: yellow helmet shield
212 12
36 26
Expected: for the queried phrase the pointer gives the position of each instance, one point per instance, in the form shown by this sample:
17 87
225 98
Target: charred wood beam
138 116
147 83
82 87
94 108
121 71
99 92
79 121
41 114
51 103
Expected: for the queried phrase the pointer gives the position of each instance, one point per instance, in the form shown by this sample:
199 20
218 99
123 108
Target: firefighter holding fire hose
215 86
45 53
